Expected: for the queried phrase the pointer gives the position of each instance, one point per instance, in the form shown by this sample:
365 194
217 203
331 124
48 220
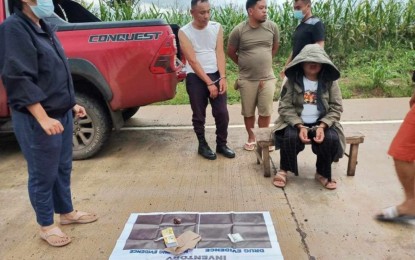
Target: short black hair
15 4
304 1
194 2
250 3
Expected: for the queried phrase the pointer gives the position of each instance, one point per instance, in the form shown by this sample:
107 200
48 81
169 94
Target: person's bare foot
407 207
392 214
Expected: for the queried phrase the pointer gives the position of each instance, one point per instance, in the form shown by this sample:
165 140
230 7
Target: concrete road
152 166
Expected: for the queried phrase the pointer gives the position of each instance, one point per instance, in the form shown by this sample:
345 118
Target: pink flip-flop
330 185
55 237
79 218
250 146
280 179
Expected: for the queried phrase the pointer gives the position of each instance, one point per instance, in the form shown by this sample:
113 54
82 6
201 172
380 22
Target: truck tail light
165 60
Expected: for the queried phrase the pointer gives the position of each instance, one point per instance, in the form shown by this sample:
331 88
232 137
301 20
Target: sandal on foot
79 218
330 185
280 179
391 214
250 146
55 237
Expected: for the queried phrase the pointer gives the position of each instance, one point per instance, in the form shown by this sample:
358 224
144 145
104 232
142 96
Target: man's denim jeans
49 162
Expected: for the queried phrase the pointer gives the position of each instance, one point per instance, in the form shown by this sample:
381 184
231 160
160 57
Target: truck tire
91 132
129 112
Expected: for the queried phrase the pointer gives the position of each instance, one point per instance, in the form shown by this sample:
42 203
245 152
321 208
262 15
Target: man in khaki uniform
252 45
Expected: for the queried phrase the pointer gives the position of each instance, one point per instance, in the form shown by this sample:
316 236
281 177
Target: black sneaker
205 151
225 151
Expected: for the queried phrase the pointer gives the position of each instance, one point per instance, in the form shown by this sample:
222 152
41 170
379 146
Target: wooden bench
265 139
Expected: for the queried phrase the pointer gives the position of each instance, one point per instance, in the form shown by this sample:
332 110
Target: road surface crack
303 234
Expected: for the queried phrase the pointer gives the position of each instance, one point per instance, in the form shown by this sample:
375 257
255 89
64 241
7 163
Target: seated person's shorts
253 95
403 145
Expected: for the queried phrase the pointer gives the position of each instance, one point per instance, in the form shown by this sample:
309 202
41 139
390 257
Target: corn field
371 41
350 24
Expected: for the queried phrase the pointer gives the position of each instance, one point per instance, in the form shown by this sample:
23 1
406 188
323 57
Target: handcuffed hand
319 138
213 90
303 135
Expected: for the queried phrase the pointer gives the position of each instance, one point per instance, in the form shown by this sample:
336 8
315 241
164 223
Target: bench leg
258 153
351 165
266 161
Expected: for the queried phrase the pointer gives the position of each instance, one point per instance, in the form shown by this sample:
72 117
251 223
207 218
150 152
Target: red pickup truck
116 68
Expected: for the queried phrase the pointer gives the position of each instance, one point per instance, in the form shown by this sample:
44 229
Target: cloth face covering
43 9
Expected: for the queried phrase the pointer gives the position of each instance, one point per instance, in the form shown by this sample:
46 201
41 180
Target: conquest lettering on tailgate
124 37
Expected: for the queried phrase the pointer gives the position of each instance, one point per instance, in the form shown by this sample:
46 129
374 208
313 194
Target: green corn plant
371 38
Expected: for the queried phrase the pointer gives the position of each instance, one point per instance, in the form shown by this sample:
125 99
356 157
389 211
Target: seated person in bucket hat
309 113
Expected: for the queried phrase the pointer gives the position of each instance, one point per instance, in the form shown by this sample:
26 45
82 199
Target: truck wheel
92 131
129 112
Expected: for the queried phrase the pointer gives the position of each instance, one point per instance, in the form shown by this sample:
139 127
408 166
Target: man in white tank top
201 43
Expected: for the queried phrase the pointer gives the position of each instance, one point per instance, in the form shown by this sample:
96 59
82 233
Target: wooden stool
265 139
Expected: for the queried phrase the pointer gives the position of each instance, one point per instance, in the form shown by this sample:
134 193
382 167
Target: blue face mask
43 9
298 14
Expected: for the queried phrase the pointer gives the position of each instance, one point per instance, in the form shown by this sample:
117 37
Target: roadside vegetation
371 41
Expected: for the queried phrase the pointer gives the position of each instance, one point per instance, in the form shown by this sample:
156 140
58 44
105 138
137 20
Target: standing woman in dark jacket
35 73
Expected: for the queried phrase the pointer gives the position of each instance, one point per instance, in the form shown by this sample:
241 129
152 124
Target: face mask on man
298 14
43 9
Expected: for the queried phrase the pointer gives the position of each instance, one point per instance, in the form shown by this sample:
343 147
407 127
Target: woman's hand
51 126
79 111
